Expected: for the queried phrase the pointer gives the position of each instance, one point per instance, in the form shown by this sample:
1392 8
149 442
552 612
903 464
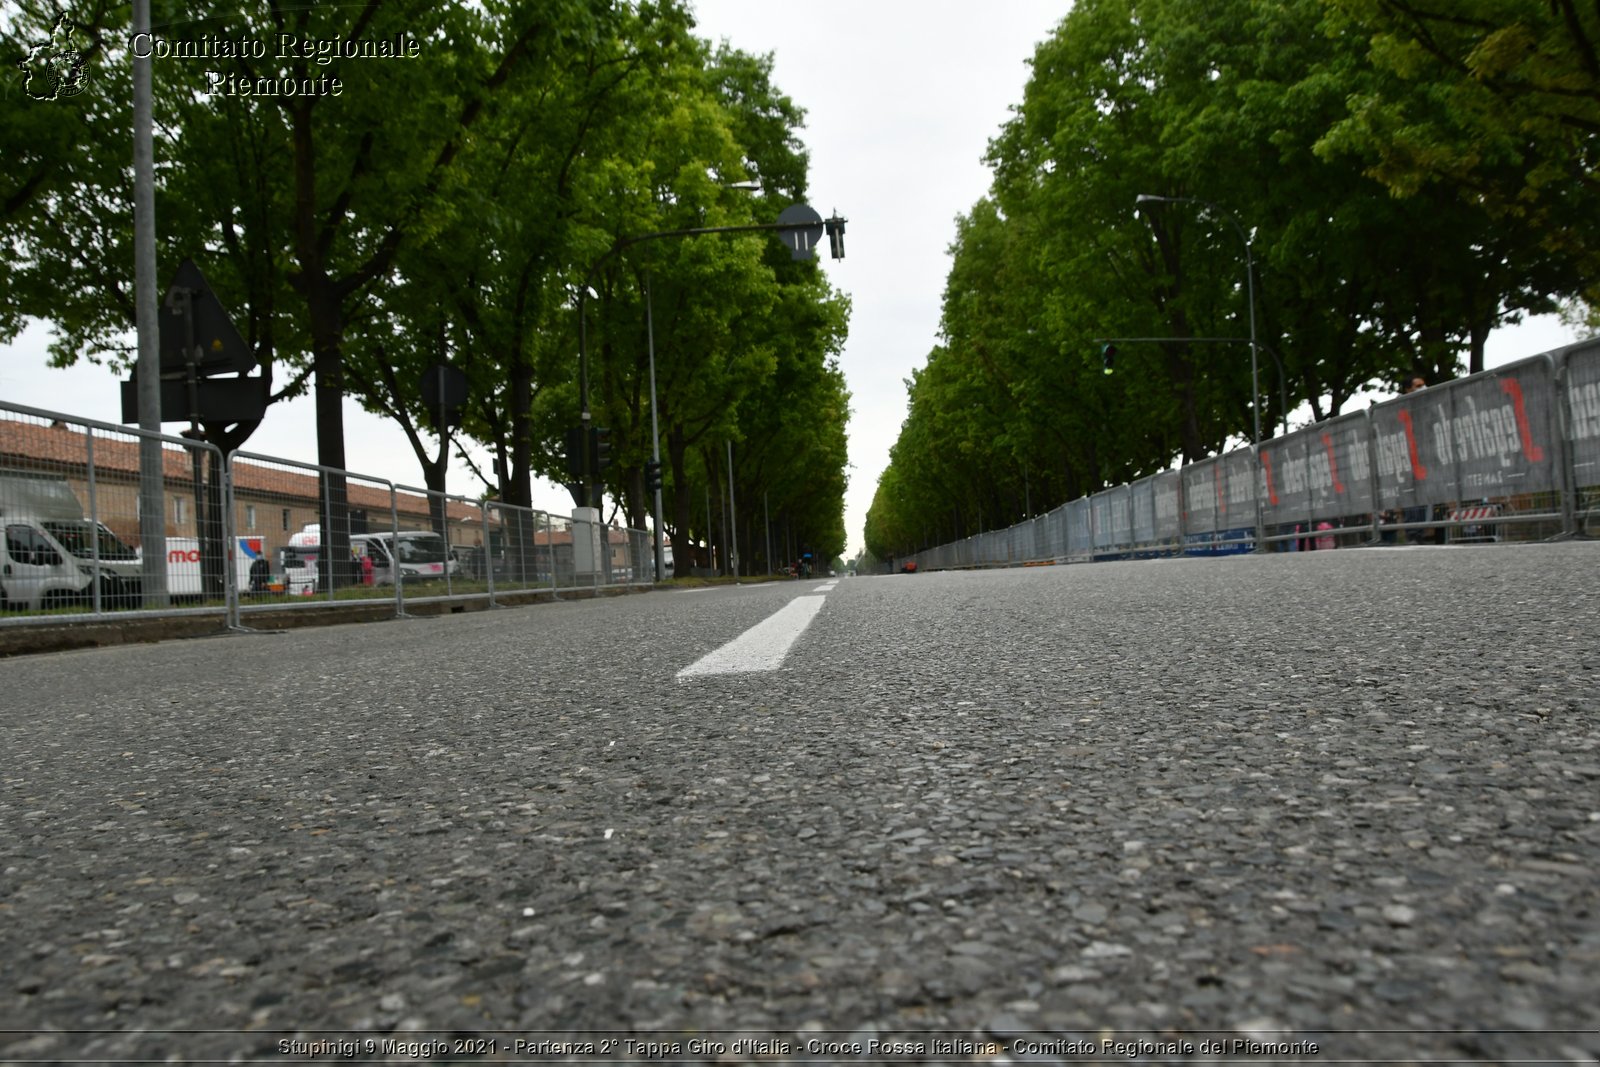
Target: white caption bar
763 646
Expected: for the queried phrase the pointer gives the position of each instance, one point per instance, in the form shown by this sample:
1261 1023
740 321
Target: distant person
260 574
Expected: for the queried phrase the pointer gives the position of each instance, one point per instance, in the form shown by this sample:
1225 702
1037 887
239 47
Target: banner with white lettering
1489 436
1168 505
1112 519
1320 472
1583 407
1080 539
1201 493
1236 502
1143 500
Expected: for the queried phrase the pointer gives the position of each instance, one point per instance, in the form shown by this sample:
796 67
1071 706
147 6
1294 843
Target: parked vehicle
184 568
297 561
421 555
52 556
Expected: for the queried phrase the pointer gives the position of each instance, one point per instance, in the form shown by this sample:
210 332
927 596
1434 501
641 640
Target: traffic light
652 476
835 229
600 448
1108 357
575 452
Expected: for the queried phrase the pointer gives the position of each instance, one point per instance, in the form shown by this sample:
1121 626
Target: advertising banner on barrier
1143 498
1285 483
1201 492
1236 495
1487 436
1080 539
1500 437
1583 402
1319 472
1168 506
1112 527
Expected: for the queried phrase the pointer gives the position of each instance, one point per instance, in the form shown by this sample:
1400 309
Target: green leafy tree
1496 100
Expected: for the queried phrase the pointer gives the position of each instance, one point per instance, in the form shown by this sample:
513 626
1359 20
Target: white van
51 556
422 555
297 561
184 565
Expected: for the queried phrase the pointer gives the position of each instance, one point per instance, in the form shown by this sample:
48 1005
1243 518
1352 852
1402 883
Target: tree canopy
1368 187
445 206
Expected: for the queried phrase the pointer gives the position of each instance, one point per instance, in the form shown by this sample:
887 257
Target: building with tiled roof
273 500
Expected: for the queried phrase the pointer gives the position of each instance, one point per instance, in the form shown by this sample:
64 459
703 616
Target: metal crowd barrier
1509 454
244 533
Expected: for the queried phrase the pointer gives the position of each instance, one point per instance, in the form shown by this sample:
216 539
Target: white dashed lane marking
764 645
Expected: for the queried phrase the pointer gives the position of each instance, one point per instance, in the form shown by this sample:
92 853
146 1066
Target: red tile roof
34 446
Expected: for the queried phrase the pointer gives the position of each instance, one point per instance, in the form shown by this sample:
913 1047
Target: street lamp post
1250 294
1250 288
807 228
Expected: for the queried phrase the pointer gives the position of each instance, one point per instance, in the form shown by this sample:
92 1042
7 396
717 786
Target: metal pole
733 517
583 394
94 522
766 512
583 292
655 431
1250 287
1255 385
722 513
152 483
486 557
1250 294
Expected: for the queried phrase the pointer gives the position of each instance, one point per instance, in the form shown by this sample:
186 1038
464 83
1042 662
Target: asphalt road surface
1295 808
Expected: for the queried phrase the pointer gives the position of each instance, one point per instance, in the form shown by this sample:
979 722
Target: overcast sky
901 98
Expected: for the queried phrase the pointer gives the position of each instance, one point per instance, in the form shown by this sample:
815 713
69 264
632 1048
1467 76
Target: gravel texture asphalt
1346 802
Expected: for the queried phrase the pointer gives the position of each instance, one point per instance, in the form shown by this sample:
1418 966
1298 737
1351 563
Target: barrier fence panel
293 510
518 547
70 541
1111 521
1142 501
1167 489
1285 473
1484 452
1056 533
1201 493
1317 480
1582 388
1080 530
454 562
1509 453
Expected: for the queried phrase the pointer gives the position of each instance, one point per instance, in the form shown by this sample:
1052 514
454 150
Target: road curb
29 640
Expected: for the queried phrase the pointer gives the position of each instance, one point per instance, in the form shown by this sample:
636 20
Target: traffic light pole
655 429
1283 389
835 230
